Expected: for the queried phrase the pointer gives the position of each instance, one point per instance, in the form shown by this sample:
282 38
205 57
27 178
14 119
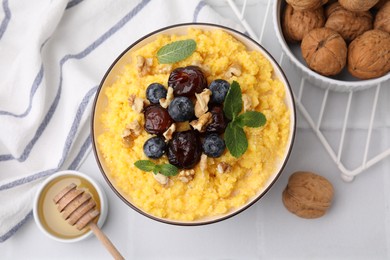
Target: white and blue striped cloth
53 55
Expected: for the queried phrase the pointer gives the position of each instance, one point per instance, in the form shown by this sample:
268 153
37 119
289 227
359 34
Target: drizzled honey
49 215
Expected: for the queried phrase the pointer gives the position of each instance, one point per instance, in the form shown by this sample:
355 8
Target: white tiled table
356 227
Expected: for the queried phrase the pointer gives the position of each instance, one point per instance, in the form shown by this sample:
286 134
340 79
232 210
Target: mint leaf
169 170
157 169
233 101
251 119
176 51
235 140
145 165
164 169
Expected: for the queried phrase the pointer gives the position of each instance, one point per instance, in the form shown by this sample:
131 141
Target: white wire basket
336 136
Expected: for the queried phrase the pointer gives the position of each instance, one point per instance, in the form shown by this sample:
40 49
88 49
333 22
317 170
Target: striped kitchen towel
52 57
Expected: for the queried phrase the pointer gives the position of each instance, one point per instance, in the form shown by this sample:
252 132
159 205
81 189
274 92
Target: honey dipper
78 208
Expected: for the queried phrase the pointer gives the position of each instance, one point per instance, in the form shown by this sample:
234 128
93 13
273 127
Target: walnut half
144 65
202 100
202 122
234 70
131 131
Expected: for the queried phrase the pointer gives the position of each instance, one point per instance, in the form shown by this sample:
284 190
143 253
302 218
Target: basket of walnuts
343 45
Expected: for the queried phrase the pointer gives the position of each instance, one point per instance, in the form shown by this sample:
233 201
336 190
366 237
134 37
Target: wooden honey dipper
78 208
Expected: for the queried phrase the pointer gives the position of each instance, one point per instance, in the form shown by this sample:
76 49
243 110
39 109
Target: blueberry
154 147
213 145
154 92
219 88
181 109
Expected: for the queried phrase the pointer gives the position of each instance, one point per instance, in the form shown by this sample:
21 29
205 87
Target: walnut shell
296 24
303 5
308 195
380 4
358 5
324 51
347 23
382 19
369 55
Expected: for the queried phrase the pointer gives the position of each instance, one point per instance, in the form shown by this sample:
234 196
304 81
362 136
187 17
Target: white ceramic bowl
342 82
52 179
116 67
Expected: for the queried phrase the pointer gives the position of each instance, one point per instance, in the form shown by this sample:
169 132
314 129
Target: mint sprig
149 166
176 51
235 138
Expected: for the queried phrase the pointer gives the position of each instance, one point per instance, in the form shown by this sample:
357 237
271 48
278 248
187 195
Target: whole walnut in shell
308 195
358 5
324 51
303 5
382 18
347 23
380 4
369 55
296 24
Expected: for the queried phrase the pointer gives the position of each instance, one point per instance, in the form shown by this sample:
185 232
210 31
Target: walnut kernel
202 101
160 178
247 102
164 102
139 104
131 130
144 65
186 175
202 122
223 167
169 133
234 70
203 162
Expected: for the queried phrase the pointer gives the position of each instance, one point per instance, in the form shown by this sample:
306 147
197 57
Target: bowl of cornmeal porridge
193 124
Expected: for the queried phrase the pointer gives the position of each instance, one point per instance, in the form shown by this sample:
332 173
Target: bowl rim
335 83
235 211
99 190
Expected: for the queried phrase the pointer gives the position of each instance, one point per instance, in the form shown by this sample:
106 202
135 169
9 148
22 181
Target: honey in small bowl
49 218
